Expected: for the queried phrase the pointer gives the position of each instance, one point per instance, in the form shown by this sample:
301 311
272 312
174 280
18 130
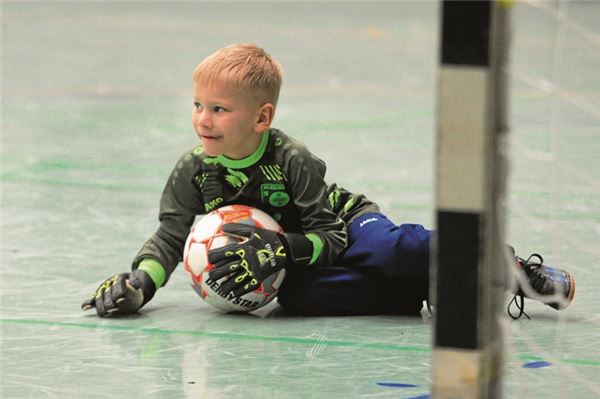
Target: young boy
341 255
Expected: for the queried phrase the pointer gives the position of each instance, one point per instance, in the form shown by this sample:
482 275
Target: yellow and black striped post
468 267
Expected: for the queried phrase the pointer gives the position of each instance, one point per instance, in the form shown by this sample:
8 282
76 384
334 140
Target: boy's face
226 122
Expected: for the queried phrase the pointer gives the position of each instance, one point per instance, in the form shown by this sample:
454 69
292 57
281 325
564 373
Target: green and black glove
121 294
260 253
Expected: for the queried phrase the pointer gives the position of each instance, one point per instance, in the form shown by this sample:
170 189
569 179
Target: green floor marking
220 335
250 337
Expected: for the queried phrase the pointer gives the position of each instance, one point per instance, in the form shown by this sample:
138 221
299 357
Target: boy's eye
216 108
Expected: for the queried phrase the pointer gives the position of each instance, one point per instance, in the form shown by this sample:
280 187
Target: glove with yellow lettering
259 254
121 294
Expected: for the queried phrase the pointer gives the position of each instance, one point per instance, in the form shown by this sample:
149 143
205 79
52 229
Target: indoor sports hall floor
96 102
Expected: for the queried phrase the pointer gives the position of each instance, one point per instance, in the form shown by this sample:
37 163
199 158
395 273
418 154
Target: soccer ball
208 234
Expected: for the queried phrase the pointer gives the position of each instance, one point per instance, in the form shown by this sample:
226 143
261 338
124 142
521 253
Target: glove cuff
299 248
147 285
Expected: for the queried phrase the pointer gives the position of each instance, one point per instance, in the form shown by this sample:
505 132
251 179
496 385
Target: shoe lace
530 267
519 303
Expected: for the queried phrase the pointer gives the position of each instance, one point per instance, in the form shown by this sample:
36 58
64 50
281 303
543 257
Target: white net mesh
555 192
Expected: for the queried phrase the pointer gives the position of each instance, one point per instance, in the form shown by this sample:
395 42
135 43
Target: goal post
468 268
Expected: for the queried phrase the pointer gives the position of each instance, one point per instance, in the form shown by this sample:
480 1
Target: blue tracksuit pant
384 270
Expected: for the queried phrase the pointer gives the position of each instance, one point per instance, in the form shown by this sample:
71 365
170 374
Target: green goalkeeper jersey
282 177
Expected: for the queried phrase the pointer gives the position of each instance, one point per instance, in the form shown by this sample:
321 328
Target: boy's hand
121 294
249 262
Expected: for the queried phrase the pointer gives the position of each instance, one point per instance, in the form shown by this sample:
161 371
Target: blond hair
245 66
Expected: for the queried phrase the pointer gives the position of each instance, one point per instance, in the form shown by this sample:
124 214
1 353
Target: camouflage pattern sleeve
180 202
306 179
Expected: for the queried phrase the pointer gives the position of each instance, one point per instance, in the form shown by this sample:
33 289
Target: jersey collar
249 160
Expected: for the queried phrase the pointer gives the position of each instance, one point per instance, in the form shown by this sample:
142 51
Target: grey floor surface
96 102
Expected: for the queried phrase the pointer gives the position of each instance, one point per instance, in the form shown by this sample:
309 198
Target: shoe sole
562 305
571 289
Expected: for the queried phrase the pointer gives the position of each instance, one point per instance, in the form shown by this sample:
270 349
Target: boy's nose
204 120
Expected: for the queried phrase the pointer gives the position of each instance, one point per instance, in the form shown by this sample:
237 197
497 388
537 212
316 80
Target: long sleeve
180 202
306 181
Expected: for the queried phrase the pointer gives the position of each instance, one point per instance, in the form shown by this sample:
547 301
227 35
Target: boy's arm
324 232
180 203
125 293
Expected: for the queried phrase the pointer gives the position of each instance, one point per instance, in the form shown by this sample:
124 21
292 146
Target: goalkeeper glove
121 294
260 253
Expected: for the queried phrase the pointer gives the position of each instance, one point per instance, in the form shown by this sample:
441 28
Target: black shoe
558 286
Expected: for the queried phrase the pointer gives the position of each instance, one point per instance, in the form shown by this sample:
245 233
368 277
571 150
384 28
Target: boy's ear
264 118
